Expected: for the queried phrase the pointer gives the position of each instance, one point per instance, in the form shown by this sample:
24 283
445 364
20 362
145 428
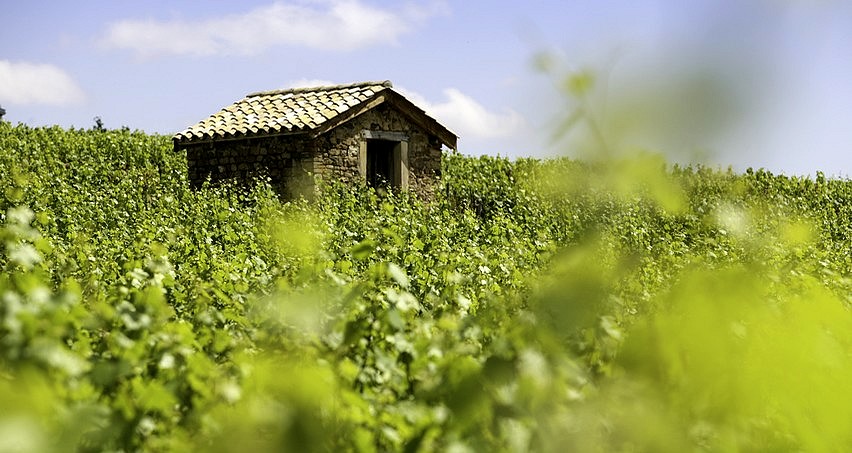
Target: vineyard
621 305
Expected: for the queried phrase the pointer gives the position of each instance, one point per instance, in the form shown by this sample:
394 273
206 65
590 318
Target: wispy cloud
34 83
326 25
468 118
307 83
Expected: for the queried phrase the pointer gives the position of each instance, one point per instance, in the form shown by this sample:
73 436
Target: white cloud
309 83
33 83
468 118
326 25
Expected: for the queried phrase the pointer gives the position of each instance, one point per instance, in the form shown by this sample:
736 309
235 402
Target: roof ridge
384 83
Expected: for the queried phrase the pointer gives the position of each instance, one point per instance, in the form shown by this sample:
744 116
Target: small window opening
380 163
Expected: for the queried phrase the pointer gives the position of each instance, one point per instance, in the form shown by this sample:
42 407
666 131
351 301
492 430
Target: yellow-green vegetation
612 305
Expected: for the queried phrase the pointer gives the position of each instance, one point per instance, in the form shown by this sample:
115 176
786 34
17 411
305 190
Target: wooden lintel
385 135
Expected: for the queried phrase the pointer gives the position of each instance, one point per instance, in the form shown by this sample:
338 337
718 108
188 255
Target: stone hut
361 132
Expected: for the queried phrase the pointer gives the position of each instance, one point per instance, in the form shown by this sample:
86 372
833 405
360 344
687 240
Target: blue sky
760 83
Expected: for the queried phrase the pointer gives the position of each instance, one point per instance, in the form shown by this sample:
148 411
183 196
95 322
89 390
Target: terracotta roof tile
282 111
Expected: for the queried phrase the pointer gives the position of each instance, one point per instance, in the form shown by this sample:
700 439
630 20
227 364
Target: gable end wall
343 145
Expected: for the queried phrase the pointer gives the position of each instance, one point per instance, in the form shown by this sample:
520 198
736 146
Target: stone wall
289 160
343 143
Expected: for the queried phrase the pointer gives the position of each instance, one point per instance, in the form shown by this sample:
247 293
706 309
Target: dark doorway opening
380 162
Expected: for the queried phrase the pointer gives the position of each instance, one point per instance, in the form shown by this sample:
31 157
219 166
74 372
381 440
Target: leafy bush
534 305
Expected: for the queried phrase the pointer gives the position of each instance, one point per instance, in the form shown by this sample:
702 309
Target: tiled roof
282 111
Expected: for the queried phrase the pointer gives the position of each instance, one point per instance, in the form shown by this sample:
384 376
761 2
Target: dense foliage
549 306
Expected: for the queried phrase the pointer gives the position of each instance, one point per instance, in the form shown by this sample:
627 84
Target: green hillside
531 306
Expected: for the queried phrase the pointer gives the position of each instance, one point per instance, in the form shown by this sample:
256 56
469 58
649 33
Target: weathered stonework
333 147
286 160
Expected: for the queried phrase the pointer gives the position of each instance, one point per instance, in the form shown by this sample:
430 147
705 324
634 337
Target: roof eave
422 119
180 143
364 107
406 107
